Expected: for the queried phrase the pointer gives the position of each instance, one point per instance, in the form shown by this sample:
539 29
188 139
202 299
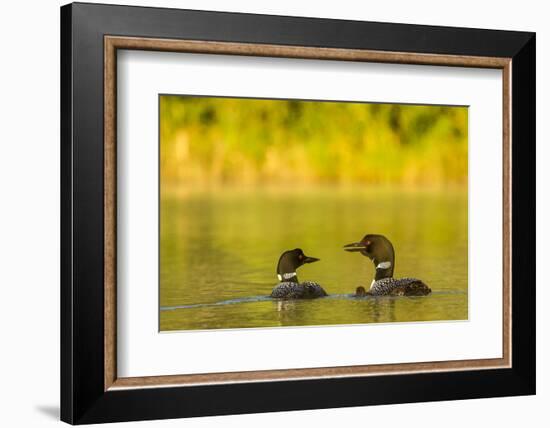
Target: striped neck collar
286 276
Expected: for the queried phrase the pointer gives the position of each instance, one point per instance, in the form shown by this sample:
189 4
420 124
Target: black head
292 260
380 250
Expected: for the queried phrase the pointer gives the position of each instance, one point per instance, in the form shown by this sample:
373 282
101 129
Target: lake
219 251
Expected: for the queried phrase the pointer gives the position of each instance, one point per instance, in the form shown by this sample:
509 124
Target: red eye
300 256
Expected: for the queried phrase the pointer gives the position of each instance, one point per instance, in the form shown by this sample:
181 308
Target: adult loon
380 250
289 287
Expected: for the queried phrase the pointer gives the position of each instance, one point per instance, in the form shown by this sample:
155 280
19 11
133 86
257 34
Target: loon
380 250
360 292
289 287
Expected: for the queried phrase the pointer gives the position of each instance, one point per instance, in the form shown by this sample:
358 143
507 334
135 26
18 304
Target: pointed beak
356 246
310 259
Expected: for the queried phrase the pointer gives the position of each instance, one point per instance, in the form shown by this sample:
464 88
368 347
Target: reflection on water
219 252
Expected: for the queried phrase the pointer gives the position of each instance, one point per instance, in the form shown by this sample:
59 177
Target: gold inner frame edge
113 43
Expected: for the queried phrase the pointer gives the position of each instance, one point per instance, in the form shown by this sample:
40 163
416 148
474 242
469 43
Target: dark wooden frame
90 35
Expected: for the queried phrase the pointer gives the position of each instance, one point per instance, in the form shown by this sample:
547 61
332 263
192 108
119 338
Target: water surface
219 251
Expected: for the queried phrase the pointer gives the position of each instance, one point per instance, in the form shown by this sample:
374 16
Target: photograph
273 211
293 213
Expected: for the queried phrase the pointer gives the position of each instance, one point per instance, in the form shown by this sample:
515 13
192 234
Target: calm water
219 252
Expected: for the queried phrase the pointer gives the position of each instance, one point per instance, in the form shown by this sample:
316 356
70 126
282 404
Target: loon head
380 250
289 262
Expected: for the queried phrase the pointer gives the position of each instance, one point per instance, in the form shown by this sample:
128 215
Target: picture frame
91 35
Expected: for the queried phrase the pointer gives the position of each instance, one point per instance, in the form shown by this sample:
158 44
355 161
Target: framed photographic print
265 213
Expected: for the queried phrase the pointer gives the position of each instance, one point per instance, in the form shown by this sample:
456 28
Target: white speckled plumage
294 290
399 287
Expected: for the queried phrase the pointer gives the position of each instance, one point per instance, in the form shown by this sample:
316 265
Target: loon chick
360 292
289 287
380 250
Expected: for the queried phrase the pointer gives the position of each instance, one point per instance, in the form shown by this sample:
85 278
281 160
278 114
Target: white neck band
286 276
384 265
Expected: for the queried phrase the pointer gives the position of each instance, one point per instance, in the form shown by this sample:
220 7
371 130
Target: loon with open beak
380 250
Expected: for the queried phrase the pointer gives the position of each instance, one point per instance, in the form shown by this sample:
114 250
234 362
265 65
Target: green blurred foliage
213 141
